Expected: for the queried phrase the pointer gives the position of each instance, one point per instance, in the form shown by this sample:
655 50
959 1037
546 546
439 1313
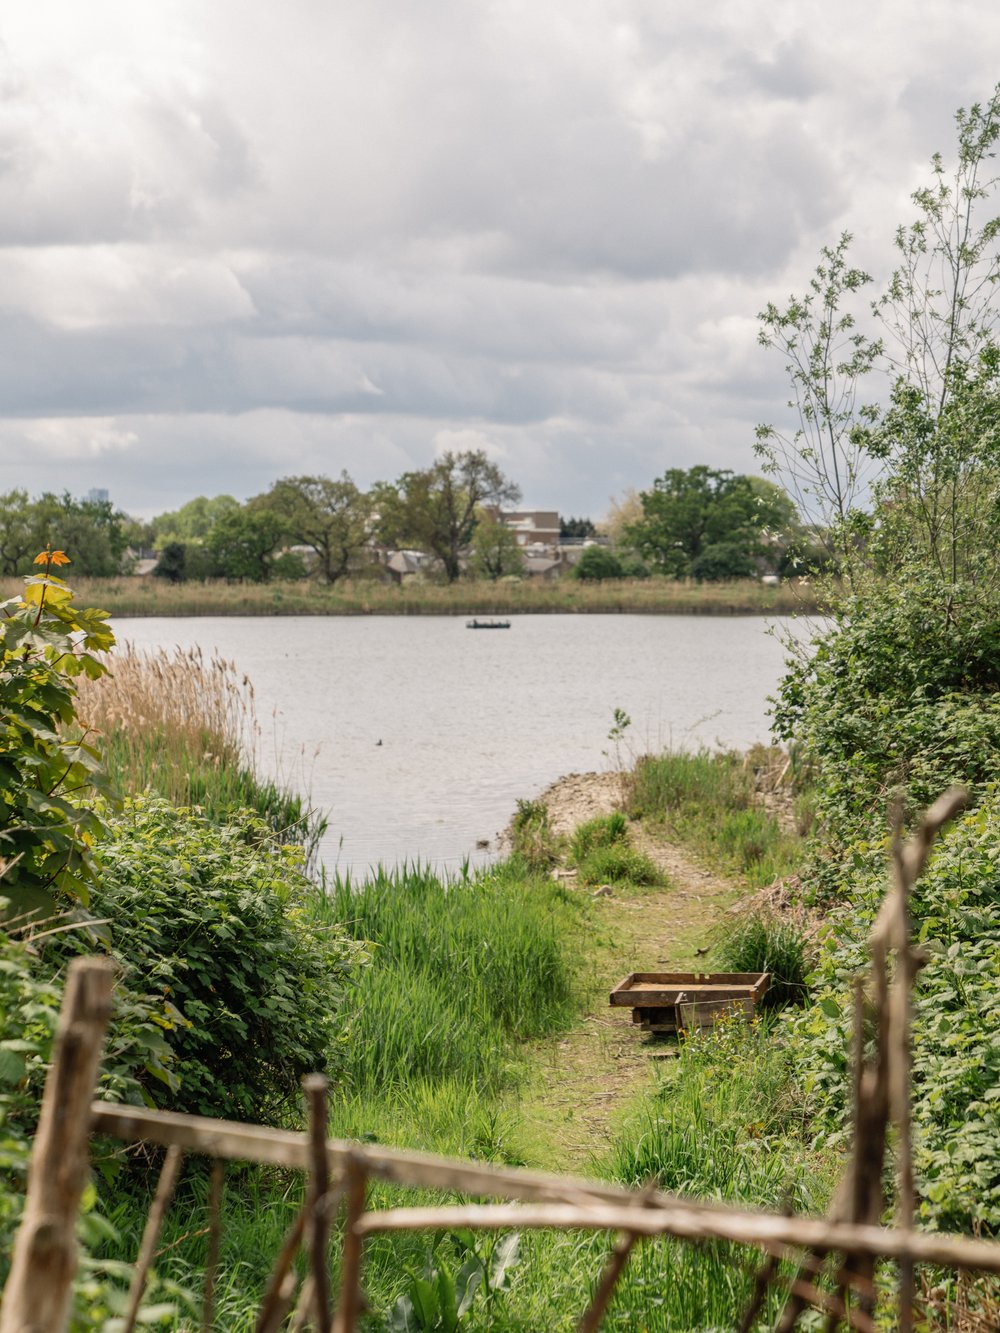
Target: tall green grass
760 942
710 800
460 971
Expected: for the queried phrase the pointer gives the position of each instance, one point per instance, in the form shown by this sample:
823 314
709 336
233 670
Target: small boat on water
487 624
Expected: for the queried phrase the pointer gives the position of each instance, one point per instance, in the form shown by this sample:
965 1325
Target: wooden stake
161 1201
314 1086
356 1182
37 1294
214 1236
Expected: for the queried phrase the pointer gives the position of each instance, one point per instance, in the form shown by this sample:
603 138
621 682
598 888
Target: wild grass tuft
711 801
532 838
762 942
602 831
184 727
618 864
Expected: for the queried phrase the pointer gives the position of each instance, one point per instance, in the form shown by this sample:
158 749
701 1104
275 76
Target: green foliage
332 517
460 971
903 690
435 509
495 550
597 563
215 921
722 561
95 531
531 837
459 1271
576 527
717 518
194 521
49 769
618 864
244 543
956 1102
761 942
602 831
172 564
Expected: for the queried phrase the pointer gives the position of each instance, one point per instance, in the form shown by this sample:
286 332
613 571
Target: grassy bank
654 596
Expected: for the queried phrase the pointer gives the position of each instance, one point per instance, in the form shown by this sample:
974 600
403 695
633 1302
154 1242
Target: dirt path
587 1078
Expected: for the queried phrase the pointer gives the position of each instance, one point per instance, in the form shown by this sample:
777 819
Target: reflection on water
470 721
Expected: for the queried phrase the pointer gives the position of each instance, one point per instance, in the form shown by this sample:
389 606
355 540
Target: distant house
404 566
544 567
534 527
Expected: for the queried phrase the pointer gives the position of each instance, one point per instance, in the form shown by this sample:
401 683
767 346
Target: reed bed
184 726
132 596
461 970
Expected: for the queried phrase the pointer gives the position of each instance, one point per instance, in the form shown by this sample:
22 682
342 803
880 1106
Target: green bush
49 770
764 943
214 920
602 831
956 1051
597 563
618 864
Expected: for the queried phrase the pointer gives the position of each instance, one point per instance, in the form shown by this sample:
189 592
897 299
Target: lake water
471 721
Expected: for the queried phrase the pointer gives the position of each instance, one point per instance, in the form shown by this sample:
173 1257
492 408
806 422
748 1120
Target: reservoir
470 721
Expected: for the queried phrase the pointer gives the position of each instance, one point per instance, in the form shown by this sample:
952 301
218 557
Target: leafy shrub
602 831
618 864
764 943
956 1090
49 771
722 561
597 563
214 920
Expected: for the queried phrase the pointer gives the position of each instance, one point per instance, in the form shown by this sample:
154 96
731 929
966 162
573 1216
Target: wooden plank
705 1014
723 1223
666 982
657 999
281 1147
691 978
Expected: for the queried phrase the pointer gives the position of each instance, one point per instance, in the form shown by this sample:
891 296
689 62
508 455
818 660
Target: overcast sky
246 240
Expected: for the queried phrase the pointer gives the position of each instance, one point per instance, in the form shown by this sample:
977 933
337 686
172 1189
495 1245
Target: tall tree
331 517
435 509
689 512
495 550
244 543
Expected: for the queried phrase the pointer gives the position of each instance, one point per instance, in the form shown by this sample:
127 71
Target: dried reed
185 726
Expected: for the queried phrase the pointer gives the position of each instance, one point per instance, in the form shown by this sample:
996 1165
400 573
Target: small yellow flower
48 557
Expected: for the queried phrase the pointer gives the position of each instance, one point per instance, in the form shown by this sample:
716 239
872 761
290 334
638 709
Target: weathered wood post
37 1295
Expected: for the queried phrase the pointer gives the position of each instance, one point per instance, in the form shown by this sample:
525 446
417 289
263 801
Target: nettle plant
49 770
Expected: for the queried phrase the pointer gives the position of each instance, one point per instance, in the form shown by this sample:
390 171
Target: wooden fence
827 1263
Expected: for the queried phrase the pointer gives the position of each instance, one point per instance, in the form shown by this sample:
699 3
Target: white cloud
251 240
